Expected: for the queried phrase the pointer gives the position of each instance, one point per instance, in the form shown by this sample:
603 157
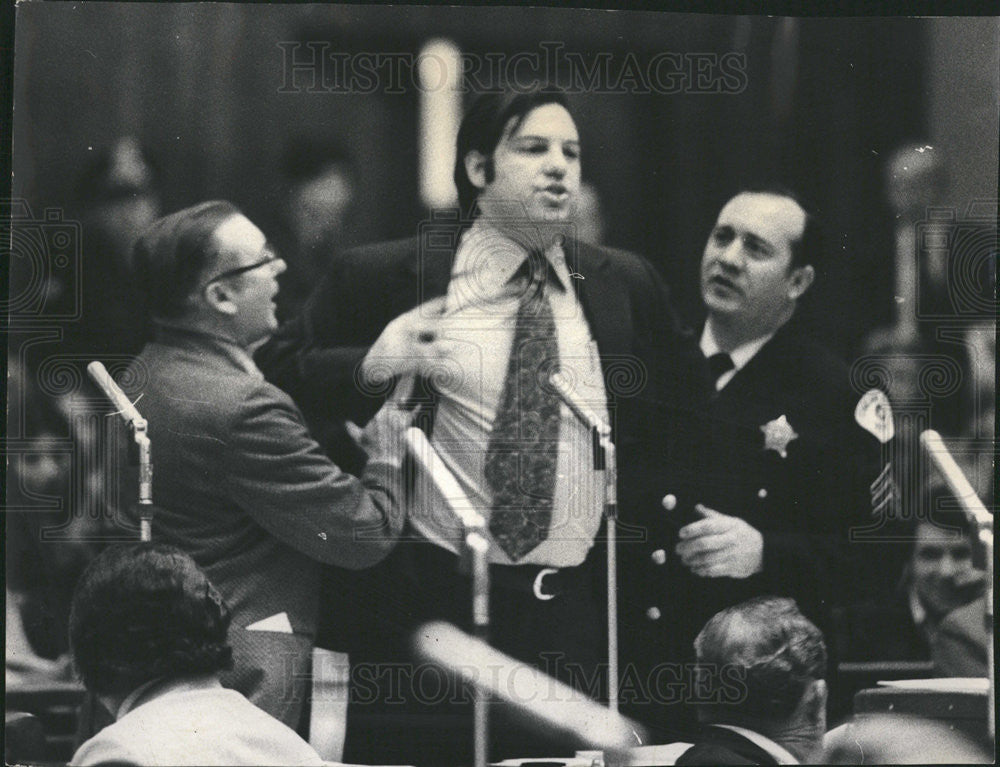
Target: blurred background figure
149 637
980 420
940 590
590 222
48 544
764 665
916 180
117 197
887 739
319 198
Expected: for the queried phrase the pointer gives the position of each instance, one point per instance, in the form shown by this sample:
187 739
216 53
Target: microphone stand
477 546
138 429
605 461
982 521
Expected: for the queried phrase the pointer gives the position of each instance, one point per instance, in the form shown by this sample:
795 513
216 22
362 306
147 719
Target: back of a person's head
142 612
758 657
174 251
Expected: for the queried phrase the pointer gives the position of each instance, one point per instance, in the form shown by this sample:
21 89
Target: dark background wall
825 102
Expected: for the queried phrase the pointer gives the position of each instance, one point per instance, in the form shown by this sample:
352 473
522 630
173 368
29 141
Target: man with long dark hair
480 310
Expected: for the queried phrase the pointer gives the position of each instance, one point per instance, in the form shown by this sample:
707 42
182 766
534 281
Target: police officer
760 493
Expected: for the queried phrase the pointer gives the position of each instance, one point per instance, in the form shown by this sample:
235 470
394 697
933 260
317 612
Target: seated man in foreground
764 664
148 632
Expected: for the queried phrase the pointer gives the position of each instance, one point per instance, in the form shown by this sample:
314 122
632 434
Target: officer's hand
720 546
407 346
382 437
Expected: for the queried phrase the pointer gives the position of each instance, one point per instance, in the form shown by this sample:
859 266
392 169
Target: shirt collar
740 356
487 259
781 754
160 686
167 331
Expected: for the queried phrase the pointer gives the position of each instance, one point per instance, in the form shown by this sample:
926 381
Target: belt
542 582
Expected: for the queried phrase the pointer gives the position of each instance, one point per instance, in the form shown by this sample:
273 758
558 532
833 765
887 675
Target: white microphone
446 483
100 376
138 426
526 688
580 409
473 523
956 480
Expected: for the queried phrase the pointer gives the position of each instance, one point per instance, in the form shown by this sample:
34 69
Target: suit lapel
605 301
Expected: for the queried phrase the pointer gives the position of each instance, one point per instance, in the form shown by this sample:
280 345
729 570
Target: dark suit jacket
644 351
880 630
645 354
718 745
960 645
242 487
805 505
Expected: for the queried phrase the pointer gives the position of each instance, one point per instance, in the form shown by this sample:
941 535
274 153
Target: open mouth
555 193
727 285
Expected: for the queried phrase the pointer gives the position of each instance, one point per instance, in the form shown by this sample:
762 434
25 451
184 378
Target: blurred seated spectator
319 198
118 198
938 578
764 665
959 645
590 221
49 542
149 636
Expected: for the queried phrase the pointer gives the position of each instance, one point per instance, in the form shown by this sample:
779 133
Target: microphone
446 483
137 425
580 409
100 376
528 689
975 510
473 523
955 478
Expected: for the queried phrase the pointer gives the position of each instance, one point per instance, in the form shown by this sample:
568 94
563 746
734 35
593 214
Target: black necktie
523 447
719 364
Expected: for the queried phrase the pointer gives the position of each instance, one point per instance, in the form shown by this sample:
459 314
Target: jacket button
653 613
659 557
762 493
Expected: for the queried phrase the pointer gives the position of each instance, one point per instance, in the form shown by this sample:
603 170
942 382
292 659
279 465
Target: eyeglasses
269 258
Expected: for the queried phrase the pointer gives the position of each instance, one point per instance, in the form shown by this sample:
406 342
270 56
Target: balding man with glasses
240 484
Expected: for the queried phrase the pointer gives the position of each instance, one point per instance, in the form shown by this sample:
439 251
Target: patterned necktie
719 364
521 455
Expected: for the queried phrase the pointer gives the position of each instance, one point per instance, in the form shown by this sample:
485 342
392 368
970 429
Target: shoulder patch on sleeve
874 414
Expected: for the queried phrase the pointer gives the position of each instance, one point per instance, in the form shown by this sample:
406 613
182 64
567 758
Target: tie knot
719 364
536 274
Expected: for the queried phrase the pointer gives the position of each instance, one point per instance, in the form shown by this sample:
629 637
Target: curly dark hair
765 651
145 611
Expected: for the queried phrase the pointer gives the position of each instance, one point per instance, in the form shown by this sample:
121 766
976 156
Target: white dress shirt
480 318
740 356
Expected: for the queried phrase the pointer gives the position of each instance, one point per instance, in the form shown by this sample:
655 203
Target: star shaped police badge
777 434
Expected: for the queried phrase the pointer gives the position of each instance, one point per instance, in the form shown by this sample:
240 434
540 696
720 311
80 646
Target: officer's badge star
777 434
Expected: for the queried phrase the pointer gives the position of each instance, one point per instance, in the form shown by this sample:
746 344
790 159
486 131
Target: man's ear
219 297
802 278
477 168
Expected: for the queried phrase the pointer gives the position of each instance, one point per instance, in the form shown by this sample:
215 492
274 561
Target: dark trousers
404 711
